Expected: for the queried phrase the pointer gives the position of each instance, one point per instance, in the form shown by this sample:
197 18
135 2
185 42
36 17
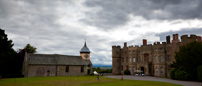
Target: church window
67 69
156 58
82 68
134 59
161 70
89 65
161 58
130 59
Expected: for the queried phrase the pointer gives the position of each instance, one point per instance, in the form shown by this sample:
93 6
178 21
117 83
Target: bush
172 74
182 75
92 74
127 72
199 73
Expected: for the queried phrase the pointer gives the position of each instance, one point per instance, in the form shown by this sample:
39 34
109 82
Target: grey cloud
115 13
184 31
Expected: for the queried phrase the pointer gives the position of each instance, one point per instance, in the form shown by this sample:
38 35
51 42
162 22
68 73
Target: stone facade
149 59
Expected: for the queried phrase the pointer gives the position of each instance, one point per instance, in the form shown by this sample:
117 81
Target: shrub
182 75
127 72
172 74
92 74
199 73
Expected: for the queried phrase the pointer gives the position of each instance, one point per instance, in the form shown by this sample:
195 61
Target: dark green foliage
126 72
199 70
188 58
7 59
172 74
182 75
92 74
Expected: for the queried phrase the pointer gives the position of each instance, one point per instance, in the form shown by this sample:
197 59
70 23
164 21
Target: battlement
159 43
186 37
114 46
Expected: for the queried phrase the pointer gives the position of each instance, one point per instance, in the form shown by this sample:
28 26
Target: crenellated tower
116 60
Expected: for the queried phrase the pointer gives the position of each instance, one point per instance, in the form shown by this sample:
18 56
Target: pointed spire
85 43
85 48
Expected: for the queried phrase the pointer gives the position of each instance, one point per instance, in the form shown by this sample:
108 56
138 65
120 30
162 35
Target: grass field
78 81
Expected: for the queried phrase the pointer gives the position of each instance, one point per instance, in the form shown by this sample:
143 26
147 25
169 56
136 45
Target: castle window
153 59
134 69
126 59
157 70
169 58
161 58
156 58
161 49
130 60
161 70
134 59
82 68
67 69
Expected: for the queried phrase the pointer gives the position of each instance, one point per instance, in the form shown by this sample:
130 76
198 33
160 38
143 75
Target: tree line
11 61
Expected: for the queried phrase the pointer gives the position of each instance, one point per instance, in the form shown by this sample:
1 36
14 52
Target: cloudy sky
61 26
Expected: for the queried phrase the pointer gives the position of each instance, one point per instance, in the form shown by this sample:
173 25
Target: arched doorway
40 71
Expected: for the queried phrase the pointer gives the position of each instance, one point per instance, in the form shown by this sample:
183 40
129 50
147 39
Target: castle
57 65
153 60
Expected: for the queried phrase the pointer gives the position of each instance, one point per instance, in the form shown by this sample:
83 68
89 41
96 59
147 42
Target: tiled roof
55 59
85 49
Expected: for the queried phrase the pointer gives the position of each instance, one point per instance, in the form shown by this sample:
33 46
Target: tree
20 57
188 58
6 54
28 48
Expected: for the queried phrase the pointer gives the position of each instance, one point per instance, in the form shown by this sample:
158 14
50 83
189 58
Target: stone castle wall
149 59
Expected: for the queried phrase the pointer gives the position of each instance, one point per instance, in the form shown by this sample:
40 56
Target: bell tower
85 52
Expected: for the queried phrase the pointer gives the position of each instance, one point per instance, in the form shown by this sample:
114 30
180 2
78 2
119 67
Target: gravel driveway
150 78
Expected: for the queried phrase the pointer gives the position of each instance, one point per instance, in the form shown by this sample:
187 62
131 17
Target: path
150 78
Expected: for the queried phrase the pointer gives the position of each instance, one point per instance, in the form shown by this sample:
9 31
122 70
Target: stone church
57 65
148 59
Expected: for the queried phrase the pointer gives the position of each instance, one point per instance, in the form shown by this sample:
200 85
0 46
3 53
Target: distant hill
101 65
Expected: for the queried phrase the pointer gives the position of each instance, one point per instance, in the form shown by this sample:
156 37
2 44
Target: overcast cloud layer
60 26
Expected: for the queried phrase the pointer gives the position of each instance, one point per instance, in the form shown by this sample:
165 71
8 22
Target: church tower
85 52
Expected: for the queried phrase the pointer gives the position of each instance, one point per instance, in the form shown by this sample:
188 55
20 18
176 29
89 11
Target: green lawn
78 81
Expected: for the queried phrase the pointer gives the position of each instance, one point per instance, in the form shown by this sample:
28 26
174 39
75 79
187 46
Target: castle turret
116 60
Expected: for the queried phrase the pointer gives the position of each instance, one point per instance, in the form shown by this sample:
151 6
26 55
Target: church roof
85 49
55 59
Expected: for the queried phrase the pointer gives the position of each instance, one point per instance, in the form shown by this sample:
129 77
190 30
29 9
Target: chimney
176 36
168 39
144 41
199 38
173 36
125 44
